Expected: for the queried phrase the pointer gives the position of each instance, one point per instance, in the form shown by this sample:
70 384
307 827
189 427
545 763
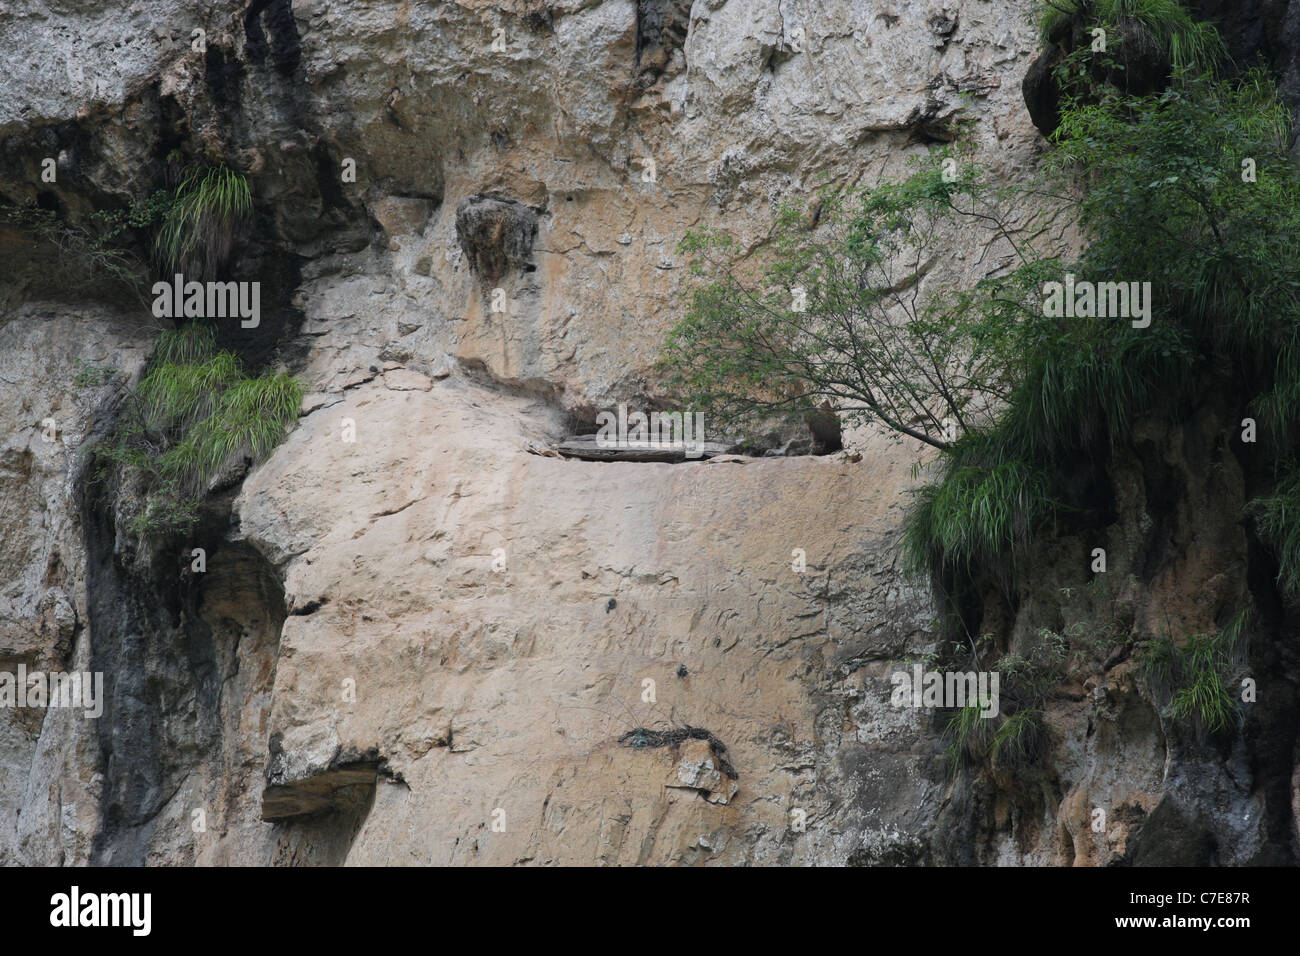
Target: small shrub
1029 679
102 245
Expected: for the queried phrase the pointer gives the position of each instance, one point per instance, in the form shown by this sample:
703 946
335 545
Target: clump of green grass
968 734
1188 44
175 395
195 413
1277 521
986 503
1085 384
185 344
1193 676
1014 742
1205 696
249 418
198 229
1018 740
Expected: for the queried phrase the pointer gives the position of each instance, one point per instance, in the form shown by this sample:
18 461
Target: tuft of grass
1277 522
987 503
1016 742
1204 697
1085 384
198 229
968 735
251 417
1195 674
1188 44
187 343
1019 739
175 395
195 413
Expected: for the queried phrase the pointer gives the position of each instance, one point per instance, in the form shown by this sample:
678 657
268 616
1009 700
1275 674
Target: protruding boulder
496 234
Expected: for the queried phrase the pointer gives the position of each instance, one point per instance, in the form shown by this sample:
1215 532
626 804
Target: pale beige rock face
508 689
485 690
47 424
737 122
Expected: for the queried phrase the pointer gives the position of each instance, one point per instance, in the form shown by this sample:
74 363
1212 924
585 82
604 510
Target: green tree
837 317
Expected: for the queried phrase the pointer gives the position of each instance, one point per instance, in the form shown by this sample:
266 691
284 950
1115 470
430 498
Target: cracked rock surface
421 636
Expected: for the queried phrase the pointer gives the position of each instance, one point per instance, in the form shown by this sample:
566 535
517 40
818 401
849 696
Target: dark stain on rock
222 76
284 46
640 738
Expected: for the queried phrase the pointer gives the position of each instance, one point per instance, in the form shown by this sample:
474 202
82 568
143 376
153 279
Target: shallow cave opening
818 432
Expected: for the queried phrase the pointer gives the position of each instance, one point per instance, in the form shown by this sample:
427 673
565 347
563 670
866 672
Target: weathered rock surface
418 640
487 620
49 779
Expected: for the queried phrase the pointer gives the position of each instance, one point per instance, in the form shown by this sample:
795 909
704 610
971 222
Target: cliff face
419 636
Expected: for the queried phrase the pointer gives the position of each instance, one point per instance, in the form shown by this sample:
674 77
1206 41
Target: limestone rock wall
420 640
